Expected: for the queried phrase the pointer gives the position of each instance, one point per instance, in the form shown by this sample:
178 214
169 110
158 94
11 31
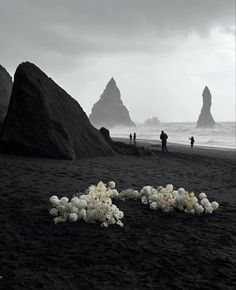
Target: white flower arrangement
167 199
95 205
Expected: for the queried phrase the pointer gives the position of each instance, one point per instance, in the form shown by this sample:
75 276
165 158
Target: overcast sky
161 52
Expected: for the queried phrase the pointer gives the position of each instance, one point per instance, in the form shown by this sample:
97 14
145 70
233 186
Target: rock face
44 121
106 135
205 119
5 92
110 111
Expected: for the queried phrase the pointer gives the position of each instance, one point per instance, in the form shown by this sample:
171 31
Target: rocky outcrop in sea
109 111
205 119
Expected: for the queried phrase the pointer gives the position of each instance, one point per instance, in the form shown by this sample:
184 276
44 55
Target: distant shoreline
185 149
149 142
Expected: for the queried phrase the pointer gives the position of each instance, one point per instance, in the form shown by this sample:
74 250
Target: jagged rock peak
5 92
109 110
111 92
44 121
205 118
111 82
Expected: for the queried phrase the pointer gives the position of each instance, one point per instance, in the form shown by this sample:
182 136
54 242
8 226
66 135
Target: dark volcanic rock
205 119
110 111
44 121
106 135
5 92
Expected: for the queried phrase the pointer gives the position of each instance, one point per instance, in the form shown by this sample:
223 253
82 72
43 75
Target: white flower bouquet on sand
95 205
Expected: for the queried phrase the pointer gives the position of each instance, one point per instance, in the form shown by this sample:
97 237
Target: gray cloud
78 27
145 44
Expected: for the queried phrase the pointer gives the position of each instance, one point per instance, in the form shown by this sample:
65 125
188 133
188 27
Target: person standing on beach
191 141
134 138
130 138
163 138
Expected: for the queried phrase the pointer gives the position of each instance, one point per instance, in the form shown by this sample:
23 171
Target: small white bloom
209 209
81 213
73 217
202 195
75 201
181 191
82 203
54 200
169 187
204 201
215 205
53 212
74 210
200 209
121 214
112 184
153 205
69 206
64 200
144 200
61 208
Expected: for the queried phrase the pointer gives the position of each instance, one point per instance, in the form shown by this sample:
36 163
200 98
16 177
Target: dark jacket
163 137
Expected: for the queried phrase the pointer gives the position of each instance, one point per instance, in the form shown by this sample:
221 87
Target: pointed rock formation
110 111
5 92
205 119
44 121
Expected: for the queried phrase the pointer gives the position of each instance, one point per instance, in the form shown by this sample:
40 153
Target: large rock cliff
110 111
205 119
44 121
5 92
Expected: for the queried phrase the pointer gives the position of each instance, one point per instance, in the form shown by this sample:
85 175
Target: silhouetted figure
191 141
163 138
134 138
130 138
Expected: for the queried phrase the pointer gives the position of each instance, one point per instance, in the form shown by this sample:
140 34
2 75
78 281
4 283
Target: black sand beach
154 250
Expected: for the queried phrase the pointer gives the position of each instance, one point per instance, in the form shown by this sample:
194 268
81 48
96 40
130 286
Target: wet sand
154 250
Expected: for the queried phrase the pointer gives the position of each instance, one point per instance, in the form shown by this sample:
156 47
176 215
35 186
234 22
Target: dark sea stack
5 92
205 119
44 121
106 135
110 111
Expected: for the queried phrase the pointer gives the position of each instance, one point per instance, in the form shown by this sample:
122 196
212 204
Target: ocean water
222 136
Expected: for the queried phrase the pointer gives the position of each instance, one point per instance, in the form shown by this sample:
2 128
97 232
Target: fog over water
161 53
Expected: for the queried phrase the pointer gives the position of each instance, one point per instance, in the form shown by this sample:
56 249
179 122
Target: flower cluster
168 199
95 205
